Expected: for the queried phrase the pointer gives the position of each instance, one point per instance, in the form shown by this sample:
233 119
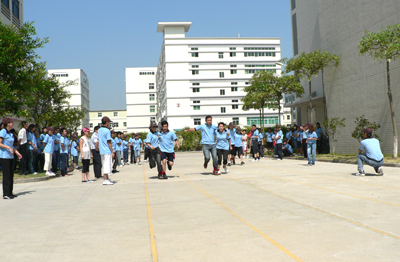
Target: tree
363 123
384 45
17 64
285 84
307 65
332 127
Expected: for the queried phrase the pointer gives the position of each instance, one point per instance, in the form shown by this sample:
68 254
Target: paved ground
264 211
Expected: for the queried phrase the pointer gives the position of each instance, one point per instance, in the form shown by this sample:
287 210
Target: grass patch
18 176
353 158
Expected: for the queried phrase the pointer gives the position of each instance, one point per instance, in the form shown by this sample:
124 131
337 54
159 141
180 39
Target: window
115 113
223 109
293 4
115 124
152 97
152 109
232 48
234 83
151 85
233 65
124 124
259 65
220 55
232 54
235 101
194 48
294 35
234 88
195 54
15 8
221 75
6 3
247 83
235 121
259 54
294 116
259 48
233 72
196 107
222 92
195 66
267 121
91 125
146 73
196 90
99 114
197 121
288 117
195 72
235 106
252 71
196 102
99 124
153 119
195 84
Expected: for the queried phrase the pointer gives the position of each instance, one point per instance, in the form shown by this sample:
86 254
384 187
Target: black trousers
39 162
23 165
96 163
304 147
146 153
133 159
286 152
155 158
279 149
222 153
8 176
261 149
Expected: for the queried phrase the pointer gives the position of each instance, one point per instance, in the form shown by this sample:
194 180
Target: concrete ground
263 211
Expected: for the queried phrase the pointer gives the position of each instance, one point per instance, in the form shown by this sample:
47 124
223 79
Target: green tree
17 64
307 65
384 45
332 127
363 123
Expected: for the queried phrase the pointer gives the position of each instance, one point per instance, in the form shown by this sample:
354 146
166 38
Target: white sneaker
219 172
48 173
254 160
136 163
107 182
140 163
52 174
35 173
380 171
360 173
278 159
226 170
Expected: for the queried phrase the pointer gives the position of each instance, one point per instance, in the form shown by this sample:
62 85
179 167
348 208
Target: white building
118 118
200 76
12 12
141 97
79 91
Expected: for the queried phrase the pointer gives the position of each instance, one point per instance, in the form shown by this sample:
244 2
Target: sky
103 37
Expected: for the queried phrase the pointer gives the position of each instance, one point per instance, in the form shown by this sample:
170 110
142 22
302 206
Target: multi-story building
118 118
141 103
199 76
79 90
12 12
358 85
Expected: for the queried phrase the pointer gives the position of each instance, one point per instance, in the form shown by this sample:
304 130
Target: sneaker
226 170
360 173
48 173
108 182
254 160
136 163
380 171
205 165
139 163
169 166
35 173
309 164
8 197
165 176
219 172
90 181
160 176
242 163
229 164
278 159
52 174
85 181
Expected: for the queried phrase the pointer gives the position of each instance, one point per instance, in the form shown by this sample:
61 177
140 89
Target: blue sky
104 37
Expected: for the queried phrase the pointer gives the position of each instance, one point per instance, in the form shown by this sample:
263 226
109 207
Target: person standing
56 154
208 142
244 143
86 155
40 157
260 143
23 148
137 144
278 142
7 152
224 146
320 138
289 135
133 160
125 148
373 155
106 150
238 140
65 144
231 156
94 145
114 147
312 138
152 140
304 140
118 146
254 143
32 149
48 144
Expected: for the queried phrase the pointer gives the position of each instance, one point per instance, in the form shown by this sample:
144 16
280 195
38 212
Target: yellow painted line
327 189
244 221
151 228
317 209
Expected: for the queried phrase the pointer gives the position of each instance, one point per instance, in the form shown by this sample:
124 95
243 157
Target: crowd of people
55 150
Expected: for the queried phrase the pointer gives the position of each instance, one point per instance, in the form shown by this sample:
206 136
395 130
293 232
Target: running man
208 142
152 140
167 139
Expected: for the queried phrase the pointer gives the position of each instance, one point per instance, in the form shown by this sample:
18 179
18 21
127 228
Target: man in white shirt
23 148
94 146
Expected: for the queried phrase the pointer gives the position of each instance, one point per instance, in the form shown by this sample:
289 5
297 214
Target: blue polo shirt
260 136
152 139
31 138
319 132
268 135
288 135
118 147
131 140
289 147
49 140
64 140
137 143
39 145
256 133
207 134
74 151
57 138
238 140
8 140
372 149
312 135
300 133
223 139
104 136
279 133
305 133
232 133
114 144
125 144
167 141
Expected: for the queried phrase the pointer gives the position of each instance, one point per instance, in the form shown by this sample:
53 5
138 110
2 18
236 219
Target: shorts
169 156
254 146
75 159
232 152
238 150
106 162
270 145
244 148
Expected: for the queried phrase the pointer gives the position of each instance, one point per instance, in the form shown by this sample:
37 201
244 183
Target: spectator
86 154
23 148
137 145
287 148
125 148
373 155
32 149
106 149
48 143
311 144
56 154
74 152
320 138
65 144
94 145
260 143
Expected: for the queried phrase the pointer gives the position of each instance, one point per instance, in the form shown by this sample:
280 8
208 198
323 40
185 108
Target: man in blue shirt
373 155
48 143
254 143
260 143
56 153
137 148
303 135
125 149
65 144
152 140
320 138
208 142
106 149
232 153
32 147
278 142
131 140
167 139
118 142
289 135
287 148
270 143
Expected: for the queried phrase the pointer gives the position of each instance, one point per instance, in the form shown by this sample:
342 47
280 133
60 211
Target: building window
15 8
115 113
196 107
151 85
253 71
197 121
293 4
233 65
146 73
114 124
235 121
259 48
232 48
232 54
153 119
223 109
222 92
234 88
235 101
195 72
152 97
124 124
294 35
259 65
99 114
195 66
294 116
6 3
288 117
91 125
195 84
194 48
195 54
235 106
220 55
247 83
234 83
196 90
152 109
196 102
233 72
221 75
246 54
257 121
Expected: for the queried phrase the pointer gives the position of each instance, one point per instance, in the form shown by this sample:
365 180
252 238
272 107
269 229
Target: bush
363 123
189 141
